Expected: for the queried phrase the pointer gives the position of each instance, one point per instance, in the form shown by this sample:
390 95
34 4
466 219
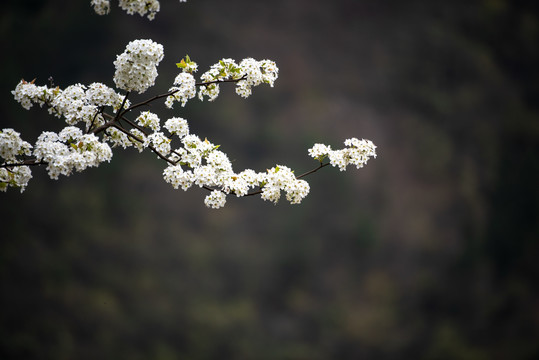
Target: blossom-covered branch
93 130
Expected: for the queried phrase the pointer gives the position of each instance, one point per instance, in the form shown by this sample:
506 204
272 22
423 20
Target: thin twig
220 81
138 127
93 120
120 113
297 177
312 171
170 93
104 127
28 162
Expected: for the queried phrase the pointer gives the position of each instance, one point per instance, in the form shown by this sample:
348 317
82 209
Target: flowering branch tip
98 121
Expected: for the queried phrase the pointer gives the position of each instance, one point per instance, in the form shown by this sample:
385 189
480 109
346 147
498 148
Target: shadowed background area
429 252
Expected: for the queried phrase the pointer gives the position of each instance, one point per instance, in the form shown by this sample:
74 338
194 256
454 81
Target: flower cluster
136 67
158 142
256 73
70 149
11 147
149 120
357 152
177 126
16 176
27 93
77 103
101 7
247 74
216 200
141 7
183 90
210 168
282 178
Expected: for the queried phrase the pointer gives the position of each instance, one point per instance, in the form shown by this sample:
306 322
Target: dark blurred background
429 252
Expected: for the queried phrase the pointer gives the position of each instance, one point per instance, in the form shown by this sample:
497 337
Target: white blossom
17 176
176 176
177 126
117 138
255 73
99 94
215 200
248 73
236 184
191 154
76 103
159 141
296 191
136 67
149 120
27 93
271 193
357 152
282 178
11 145
319 151
338 158
141 7
252 178
225 69
69 133
70 150
101 7
184 90
204 176
219 160
360 151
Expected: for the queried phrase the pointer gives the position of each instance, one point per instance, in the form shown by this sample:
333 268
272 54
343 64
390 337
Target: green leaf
181 64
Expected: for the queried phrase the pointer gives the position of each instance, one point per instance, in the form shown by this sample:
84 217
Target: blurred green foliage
429 252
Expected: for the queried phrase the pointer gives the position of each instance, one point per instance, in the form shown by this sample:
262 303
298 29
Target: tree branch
138 127
161 156
142 141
